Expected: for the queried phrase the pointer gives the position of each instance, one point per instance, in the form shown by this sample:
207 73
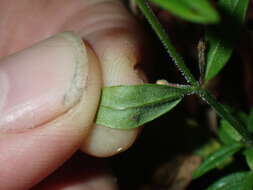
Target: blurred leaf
205 150
236 181
222 38
216 158
248 153
224 136
126 107
210 147
225 163
227 133
250 121
243 117
199 11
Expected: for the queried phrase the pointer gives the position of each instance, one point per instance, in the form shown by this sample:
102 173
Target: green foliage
222 38
235 181
199 11
228 134
248 153
231 144
224 136
128 107
165 39
224 113
250 121
205 150
179 62
216 158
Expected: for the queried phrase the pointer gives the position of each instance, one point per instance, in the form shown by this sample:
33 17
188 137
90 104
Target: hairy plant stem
179 62
162 34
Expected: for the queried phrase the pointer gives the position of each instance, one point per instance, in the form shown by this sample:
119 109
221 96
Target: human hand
50 91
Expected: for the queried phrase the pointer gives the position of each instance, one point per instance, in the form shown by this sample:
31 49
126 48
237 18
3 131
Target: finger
80 173
117 40
49 96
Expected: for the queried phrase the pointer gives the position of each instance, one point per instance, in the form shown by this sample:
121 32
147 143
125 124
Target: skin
51 88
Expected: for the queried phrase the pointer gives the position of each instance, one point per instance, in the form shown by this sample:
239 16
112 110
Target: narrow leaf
228 134
199 11
222 38
236 181
248 153
224 136
128 107
216 158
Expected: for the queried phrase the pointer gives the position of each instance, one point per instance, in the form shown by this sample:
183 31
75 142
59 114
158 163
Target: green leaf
248 153
243 117
216 158
225 163
211 146
227 133
126 107
199 11
222 38
224 136
235 181
205 150
250 121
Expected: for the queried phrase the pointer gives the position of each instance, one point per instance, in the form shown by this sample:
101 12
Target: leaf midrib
163 100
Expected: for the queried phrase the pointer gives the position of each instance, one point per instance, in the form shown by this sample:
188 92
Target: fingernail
42 82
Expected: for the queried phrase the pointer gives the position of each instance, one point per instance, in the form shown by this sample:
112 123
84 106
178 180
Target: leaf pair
126 107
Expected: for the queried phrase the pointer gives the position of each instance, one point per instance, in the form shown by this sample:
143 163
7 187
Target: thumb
49 96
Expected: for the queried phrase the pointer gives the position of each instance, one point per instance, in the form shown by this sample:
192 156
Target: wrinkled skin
113 44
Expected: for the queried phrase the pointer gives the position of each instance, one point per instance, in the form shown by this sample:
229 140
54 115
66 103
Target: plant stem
157 27
225 114
204 94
